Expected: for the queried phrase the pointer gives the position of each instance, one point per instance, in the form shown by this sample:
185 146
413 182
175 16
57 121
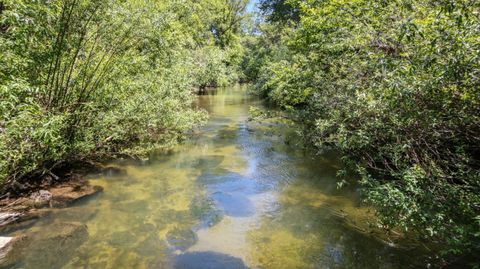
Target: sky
251 5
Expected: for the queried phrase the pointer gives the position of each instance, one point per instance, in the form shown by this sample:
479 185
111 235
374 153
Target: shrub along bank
85 79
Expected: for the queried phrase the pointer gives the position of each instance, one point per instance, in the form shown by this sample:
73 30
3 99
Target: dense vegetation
86 79
395 87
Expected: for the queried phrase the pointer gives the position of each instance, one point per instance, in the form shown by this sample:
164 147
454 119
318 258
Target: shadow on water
235 205
207 260
229 191
212 180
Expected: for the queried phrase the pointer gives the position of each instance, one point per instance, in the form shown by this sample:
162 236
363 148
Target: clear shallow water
238 194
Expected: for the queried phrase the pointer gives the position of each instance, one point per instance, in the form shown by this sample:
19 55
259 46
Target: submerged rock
204 210
122 239
181 238
48 248
23 212
67 194
140 229
8 248
152 246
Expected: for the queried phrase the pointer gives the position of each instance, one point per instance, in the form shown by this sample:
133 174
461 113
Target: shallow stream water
238 194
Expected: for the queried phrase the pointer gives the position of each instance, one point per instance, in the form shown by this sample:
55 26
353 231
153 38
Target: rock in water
65 195
152 246
6 247
52 247
9 217
4 240
9 248
41 198
181 239
122 239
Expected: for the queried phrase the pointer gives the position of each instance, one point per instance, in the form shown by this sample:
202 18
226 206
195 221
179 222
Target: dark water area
238 194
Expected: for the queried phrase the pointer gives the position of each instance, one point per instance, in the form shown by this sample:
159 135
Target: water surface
238 194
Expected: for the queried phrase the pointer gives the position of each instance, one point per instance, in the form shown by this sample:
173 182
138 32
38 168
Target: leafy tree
279 10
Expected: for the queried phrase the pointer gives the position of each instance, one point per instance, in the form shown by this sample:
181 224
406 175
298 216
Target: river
236 194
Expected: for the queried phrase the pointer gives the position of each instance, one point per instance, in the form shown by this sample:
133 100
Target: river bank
51 194
51 190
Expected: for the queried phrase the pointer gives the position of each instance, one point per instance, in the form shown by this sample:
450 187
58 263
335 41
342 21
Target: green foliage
210 68
260 50
279 10
83 79
394 85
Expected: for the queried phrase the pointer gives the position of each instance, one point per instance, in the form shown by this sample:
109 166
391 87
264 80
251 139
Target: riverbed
236 194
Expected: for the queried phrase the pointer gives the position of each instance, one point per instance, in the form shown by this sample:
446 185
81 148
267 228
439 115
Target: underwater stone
181 239
52 247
